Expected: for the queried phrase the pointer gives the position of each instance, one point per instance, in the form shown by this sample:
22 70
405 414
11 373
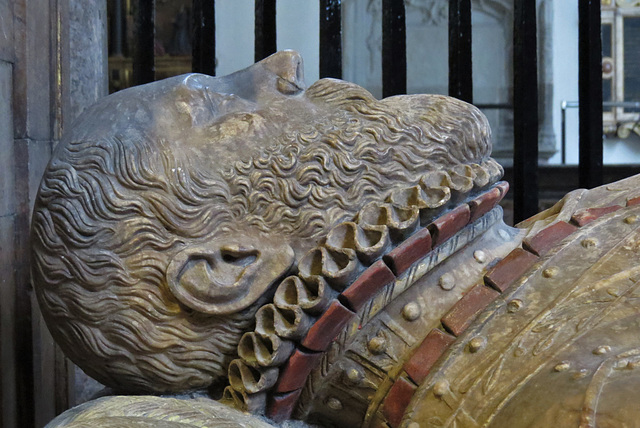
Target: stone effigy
315 254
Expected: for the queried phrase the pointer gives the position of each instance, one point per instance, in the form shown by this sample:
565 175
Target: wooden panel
33 101
23 342
6 31
6 141
32 70
39 153
7 287
36 368
8 401
44 353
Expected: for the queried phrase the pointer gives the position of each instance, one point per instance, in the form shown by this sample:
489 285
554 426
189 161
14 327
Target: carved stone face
170 210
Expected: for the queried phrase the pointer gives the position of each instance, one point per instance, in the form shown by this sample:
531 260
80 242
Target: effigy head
169 210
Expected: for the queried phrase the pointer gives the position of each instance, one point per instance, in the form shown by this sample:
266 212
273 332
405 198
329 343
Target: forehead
197 119
202 119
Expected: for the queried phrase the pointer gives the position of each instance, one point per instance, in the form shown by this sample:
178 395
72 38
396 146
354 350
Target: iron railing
394 70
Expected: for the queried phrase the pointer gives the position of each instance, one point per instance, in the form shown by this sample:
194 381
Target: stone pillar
88 54
89 81
547 137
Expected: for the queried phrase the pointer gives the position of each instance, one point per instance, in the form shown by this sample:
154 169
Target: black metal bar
525 110
590 93
494 106
265 29
204 37
331 38
144 35
118 29
563 110
460 76
394 48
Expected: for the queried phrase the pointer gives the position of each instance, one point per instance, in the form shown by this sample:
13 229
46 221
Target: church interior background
59 56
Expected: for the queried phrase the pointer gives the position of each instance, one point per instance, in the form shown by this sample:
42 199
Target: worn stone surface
588 215
554 338
87 54
160 412
186 239
504 188
35 155
7 204
33 91
384 328
633 201
548 237
226 236
6 31
7 314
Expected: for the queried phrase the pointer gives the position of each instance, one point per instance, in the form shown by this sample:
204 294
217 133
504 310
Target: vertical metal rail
204 37
460 64
144 35
265 29
525 110
331 38
563 134
590 93
117 44
394 48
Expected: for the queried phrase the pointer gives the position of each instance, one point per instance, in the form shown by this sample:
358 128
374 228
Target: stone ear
227 275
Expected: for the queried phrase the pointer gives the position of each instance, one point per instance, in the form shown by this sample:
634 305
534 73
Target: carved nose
286 65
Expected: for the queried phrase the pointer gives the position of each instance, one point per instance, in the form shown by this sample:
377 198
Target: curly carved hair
112 210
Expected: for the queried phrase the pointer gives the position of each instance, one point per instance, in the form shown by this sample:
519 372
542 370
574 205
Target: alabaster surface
313 253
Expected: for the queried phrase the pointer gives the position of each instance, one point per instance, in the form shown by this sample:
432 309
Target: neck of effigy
328 290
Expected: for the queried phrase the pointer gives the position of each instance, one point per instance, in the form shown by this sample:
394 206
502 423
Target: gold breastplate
493 329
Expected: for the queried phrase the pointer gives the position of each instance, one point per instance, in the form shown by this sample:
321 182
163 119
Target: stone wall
52 65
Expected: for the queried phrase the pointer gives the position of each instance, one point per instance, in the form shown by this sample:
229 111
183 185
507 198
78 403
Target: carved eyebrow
207 96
